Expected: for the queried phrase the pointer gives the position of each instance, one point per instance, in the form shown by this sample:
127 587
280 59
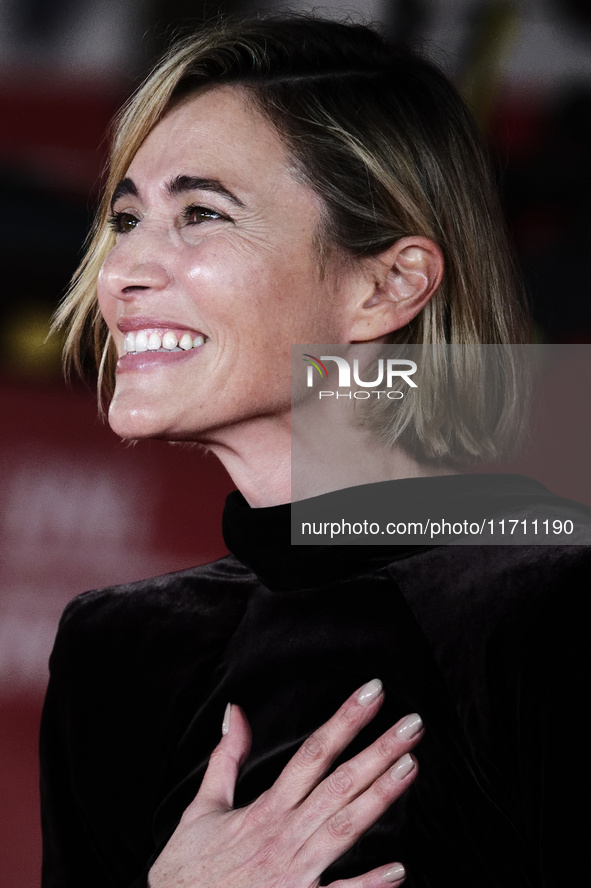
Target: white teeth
143 341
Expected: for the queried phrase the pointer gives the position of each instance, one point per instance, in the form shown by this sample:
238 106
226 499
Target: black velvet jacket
486 643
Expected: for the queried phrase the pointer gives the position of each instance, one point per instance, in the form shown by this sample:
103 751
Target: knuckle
262 811
367 880
386 746
217 755
370 880
340 782
189 813
312 750
350 714
340 825
385 788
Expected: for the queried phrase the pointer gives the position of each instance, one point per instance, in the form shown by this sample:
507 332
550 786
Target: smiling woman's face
215 250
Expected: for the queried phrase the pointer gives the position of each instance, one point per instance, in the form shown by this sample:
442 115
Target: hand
289 835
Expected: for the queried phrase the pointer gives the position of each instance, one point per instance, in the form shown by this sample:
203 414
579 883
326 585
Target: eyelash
115 220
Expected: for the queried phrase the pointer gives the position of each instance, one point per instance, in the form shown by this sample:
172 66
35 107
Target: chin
135 423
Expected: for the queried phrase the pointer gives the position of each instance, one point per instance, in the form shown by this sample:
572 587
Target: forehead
218 134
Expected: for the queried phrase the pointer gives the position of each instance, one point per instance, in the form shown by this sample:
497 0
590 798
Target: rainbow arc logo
317 363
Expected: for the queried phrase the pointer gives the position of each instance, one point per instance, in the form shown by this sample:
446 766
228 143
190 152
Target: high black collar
260 538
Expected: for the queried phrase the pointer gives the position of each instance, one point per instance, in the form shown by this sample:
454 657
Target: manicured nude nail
226 721
395 873
369 692
402 767
409 726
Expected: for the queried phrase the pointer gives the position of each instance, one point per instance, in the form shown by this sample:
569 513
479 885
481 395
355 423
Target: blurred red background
77 508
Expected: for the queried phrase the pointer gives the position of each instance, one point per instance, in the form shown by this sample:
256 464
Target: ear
403 278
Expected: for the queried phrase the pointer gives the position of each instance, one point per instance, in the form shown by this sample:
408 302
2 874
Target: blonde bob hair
382 137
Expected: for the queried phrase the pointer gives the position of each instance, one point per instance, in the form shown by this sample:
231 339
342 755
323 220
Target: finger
352 778
347 825
392 874
318 752
217 789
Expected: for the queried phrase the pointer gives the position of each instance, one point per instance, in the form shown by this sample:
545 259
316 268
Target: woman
271 183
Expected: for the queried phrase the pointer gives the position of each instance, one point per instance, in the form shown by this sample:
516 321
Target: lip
153 359
137 322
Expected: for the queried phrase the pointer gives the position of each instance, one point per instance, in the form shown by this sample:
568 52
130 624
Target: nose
131 269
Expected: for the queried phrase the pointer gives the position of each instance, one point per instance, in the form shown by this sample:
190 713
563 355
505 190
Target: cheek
203 267
107 304
266 300
211 275
237 290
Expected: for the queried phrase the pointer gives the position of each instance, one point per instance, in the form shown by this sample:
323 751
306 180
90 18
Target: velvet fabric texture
486 643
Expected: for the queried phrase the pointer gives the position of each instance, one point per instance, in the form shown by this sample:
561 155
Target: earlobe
405 278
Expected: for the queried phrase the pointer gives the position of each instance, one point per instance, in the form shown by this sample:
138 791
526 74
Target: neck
258 459
271 463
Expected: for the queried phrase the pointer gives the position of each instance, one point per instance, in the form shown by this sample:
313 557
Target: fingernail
402 767
226 721
395 873
369 692
409 726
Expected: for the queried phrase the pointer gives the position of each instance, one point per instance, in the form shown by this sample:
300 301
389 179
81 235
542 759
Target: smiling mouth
167 341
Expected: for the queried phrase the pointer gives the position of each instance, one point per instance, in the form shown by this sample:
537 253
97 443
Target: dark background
77 508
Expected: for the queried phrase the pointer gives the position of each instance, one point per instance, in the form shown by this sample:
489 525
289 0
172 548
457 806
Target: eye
123 222
195 215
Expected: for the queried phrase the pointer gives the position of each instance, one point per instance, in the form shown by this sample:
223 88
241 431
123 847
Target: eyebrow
125 188
179 185
182 184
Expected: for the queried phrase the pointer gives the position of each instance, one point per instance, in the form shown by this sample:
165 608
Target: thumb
217 788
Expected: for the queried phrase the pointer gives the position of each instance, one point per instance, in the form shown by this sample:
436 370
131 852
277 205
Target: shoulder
183 590
130 667
120 621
